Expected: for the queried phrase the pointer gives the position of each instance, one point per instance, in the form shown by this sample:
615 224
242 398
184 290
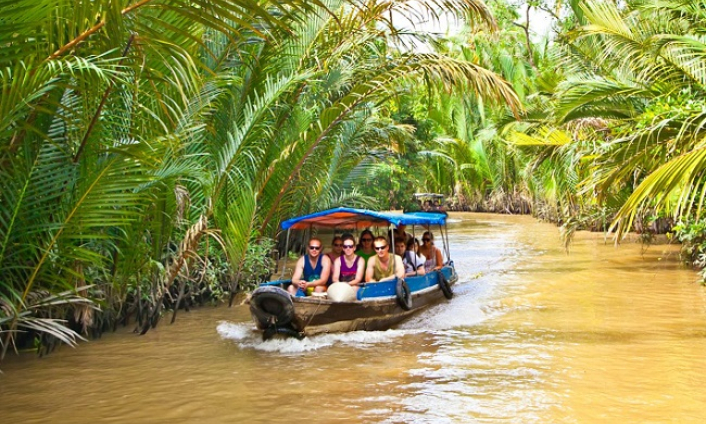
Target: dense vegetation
149 149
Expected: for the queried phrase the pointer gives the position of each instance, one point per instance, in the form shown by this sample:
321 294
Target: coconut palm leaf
27 318
544 137
129 128
682 175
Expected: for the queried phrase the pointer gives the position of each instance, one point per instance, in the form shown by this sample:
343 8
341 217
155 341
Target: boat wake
245 337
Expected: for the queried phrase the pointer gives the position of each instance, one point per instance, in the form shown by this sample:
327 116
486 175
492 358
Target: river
533 335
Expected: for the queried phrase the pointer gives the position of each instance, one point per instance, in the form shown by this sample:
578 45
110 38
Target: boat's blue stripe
415 284
386 288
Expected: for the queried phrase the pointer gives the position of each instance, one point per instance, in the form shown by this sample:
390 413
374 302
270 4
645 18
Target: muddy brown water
603 334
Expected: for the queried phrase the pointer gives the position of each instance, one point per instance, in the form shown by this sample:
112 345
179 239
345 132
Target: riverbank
602 334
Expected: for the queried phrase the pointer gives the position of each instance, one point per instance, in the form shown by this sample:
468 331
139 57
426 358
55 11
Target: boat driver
312 271
401 233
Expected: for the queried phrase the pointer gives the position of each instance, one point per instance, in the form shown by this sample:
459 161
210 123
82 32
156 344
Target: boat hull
316 316
377 309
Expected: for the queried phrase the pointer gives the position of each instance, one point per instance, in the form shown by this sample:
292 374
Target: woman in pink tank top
348 268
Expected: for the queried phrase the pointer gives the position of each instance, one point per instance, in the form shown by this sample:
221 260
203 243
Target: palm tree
471 159
92 101
156 126
314 97
641 69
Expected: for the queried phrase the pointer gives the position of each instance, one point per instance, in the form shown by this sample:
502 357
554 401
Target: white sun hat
341 292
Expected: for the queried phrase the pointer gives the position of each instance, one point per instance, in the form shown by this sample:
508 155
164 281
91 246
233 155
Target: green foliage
149 150
391 183
692 235
259 263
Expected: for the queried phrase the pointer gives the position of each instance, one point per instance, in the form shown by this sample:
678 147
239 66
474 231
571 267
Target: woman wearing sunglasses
433 254
365 247
336 249
349 267
383 266
312 270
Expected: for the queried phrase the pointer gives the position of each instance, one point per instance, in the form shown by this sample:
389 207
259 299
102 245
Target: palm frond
682 174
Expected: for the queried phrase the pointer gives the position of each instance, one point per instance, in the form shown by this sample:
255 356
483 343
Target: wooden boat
430 201
379 305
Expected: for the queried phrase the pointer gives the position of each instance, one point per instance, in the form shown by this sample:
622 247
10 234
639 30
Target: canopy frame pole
441 234
445 241
391 230
286 255
305 242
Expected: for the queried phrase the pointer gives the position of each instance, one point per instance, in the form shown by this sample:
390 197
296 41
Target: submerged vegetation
150 149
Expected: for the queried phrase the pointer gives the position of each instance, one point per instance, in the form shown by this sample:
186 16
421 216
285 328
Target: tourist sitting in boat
311 271
382 266
349 267
432 253
413 262
365 247
401 251
336 249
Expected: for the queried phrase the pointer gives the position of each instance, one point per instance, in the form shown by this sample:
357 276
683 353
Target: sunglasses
337 244
314 247
426 239
365 240
348 246
379 248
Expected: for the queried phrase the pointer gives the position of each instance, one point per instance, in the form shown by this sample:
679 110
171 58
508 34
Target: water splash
246 337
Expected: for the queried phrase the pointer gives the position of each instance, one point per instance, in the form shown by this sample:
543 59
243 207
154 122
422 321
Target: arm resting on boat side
336 269
419 271
370 270
297 281
399 269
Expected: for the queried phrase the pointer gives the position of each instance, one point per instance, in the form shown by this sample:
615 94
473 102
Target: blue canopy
362 218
